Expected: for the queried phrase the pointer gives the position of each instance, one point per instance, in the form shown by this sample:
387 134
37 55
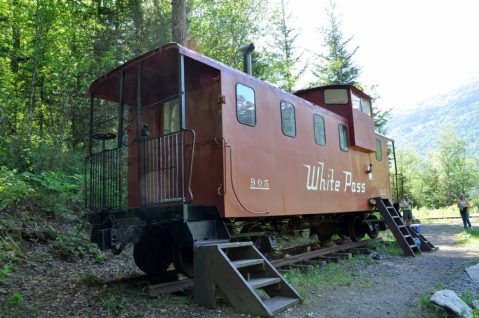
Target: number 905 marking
259 184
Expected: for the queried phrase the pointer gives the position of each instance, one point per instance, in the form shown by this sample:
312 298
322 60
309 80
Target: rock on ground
448 299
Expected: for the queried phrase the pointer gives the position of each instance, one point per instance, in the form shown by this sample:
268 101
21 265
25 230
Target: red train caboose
184 149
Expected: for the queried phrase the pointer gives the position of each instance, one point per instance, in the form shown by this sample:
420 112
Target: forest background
51 50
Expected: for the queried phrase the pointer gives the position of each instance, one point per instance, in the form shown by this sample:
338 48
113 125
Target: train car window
336 96
245 105
366 107
356 101
288 119
319 130
171 116
343 137
379 150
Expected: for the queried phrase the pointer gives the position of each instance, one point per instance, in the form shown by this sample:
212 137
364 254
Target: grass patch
89 279
388 245
440 214
342 273
76 244
468 238
14 306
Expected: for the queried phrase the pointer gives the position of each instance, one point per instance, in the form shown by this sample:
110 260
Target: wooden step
234 245
264 281
247 262
279 303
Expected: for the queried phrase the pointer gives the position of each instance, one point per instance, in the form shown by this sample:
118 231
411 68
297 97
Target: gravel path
390 287
398 282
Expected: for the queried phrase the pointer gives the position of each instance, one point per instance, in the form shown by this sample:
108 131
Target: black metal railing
105 184
166 165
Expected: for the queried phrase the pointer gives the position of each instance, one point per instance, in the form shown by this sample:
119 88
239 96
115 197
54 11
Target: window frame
380 144
346 134
327 90
294 118
324 129
254 96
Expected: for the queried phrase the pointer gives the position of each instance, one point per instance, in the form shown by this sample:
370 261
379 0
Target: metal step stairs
395 223
426 245
240 273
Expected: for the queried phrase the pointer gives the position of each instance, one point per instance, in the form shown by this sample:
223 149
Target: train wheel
183 260
153 253
356 229
373 228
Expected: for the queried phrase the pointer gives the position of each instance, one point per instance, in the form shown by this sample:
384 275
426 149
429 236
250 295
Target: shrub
14 190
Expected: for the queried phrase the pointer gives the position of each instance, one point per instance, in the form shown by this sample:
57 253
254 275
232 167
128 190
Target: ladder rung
407 235
262 282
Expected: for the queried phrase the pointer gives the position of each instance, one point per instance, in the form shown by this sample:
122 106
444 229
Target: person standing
463 205
406 206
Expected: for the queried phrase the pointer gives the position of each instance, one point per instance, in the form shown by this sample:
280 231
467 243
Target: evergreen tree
285 58
335 67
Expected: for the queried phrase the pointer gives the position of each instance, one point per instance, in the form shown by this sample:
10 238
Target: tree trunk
178 21
34 75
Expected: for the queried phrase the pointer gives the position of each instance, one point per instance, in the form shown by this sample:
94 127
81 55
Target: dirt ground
389 287
398 282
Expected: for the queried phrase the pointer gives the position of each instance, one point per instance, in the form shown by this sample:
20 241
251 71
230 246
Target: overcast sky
412 49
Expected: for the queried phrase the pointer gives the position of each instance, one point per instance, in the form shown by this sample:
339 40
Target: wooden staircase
240 273
395 223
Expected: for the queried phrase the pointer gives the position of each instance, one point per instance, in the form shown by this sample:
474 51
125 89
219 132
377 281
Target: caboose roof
107 85
348 86
114 74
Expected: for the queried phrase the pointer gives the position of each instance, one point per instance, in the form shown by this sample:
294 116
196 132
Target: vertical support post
118 162
395 172
121 110
90 141
181 100
138 123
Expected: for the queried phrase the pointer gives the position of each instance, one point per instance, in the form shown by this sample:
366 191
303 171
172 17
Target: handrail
162 166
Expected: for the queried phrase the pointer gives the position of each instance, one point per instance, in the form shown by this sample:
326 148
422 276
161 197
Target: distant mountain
420 128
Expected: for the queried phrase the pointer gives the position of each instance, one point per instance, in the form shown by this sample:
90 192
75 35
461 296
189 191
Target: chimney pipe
247 62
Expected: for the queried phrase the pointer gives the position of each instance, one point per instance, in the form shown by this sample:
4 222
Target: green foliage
278 62
437 180
72 245
14 299
89 279
428 213
13 188
54 192
15 306
337 66
113 303
218 28
57 192
381 118
468 238
11 254
388 245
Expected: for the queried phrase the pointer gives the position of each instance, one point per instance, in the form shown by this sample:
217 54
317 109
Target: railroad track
321 255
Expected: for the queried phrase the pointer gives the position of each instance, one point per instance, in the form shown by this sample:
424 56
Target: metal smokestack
247 61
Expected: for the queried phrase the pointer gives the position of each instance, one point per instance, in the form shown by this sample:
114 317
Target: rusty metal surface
252 171
270 174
